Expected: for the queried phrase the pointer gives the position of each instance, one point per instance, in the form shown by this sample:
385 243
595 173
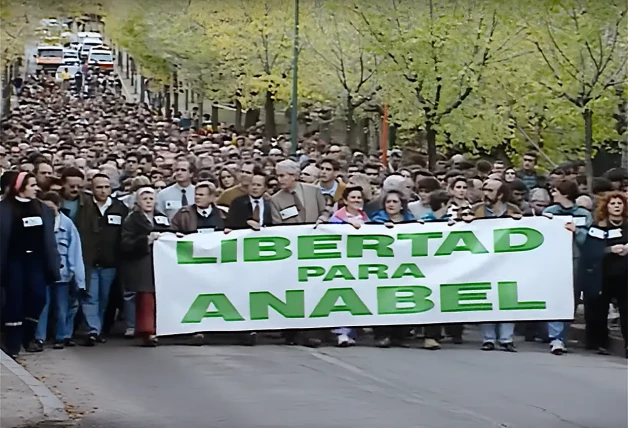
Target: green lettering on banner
502 238
365 271
229 251
278 246
306 272
407 269
420 241
509 299
351 303
470 243
356 244
200 309
314 247
339 272
388 299
185 255
293 307
453 296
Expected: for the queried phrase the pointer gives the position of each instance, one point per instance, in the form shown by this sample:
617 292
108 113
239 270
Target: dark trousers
596 312
397 333
435 331
25 297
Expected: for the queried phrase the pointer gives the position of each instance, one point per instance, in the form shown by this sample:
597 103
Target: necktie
204 213
256 211
299 205
184 198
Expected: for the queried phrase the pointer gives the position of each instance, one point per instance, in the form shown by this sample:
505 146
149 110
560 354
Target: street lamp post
294 128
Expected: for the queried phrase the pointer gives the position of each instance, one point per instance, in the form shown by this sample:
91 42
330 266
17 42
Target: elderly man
297 203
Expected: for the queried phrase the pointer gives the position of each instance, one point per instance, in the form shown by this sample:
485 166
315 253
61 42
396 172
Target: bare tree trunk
238 116
168 101
251 117
269 112
175 91
431 146
215 118
187 99
350 132
588 145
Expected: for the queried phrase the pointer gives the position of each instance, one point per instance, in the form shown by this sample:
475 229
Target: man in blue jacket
564 197
72 272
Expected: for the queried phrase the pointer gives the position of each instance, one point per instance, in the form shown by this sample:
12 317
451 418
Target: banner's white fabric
334 275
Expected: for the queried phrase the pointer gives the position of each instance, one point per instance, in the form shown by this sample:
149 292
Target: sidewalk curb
53 408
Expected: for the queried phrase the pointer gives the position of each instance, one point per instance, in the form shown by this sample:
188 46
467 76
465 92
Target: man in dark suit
253 210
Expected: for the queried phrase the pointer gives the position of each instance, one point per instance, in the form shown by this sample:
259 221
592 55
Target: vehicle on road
87 45
72 69
101 58
82 35
49 57
71 57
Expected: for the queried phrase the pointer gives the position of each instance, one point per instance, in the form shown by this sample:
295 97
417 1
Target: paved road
123 386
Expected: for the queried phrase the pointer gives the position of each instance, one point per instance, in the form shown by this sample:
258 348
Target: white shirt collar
260 200
207 211
105 206
20 199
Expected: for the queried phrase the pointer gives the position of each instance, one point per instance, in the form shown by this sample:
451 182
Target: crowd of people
90 181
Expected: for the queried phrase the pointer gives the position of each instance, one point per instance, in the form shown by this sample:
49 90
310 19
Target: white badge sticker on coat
614 233
162 220
206 230
580 221
173 205
289 212
597 233
32 221
114 219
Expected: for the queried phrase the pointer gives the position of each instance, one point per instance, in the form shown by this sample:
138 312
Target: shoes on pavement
457 340
345 341
557 347
129 333
58 344
91 340
250 339
34 346
69 343
150 341
508 347
198 339
384 343
431 344
603 351
100 339
488 346
312 342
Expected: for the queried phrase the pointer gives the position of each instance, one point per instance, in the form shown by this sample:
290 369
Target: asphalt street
123 386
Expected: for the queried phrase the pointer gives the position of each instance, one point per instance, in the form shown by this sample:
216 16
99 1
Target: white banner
300 277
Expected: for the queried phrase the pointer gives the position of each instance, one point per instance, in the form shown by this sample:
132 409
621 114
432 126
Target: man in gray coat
297 203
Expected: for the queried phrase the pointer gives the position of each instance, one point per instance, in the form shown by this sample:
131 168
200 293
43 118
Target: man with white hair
297 203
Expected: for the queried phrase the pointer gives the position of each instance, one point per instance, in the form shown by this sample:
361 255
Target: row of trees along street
485 76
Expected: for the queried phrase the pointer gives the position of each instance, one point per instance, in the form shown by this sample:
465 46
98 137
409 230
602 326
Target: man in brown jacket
495 205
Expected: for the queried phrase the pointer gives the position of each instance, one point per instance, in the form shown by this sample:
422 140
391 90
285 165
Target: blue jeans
556 330
59 296
506 332
96 299
129 309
